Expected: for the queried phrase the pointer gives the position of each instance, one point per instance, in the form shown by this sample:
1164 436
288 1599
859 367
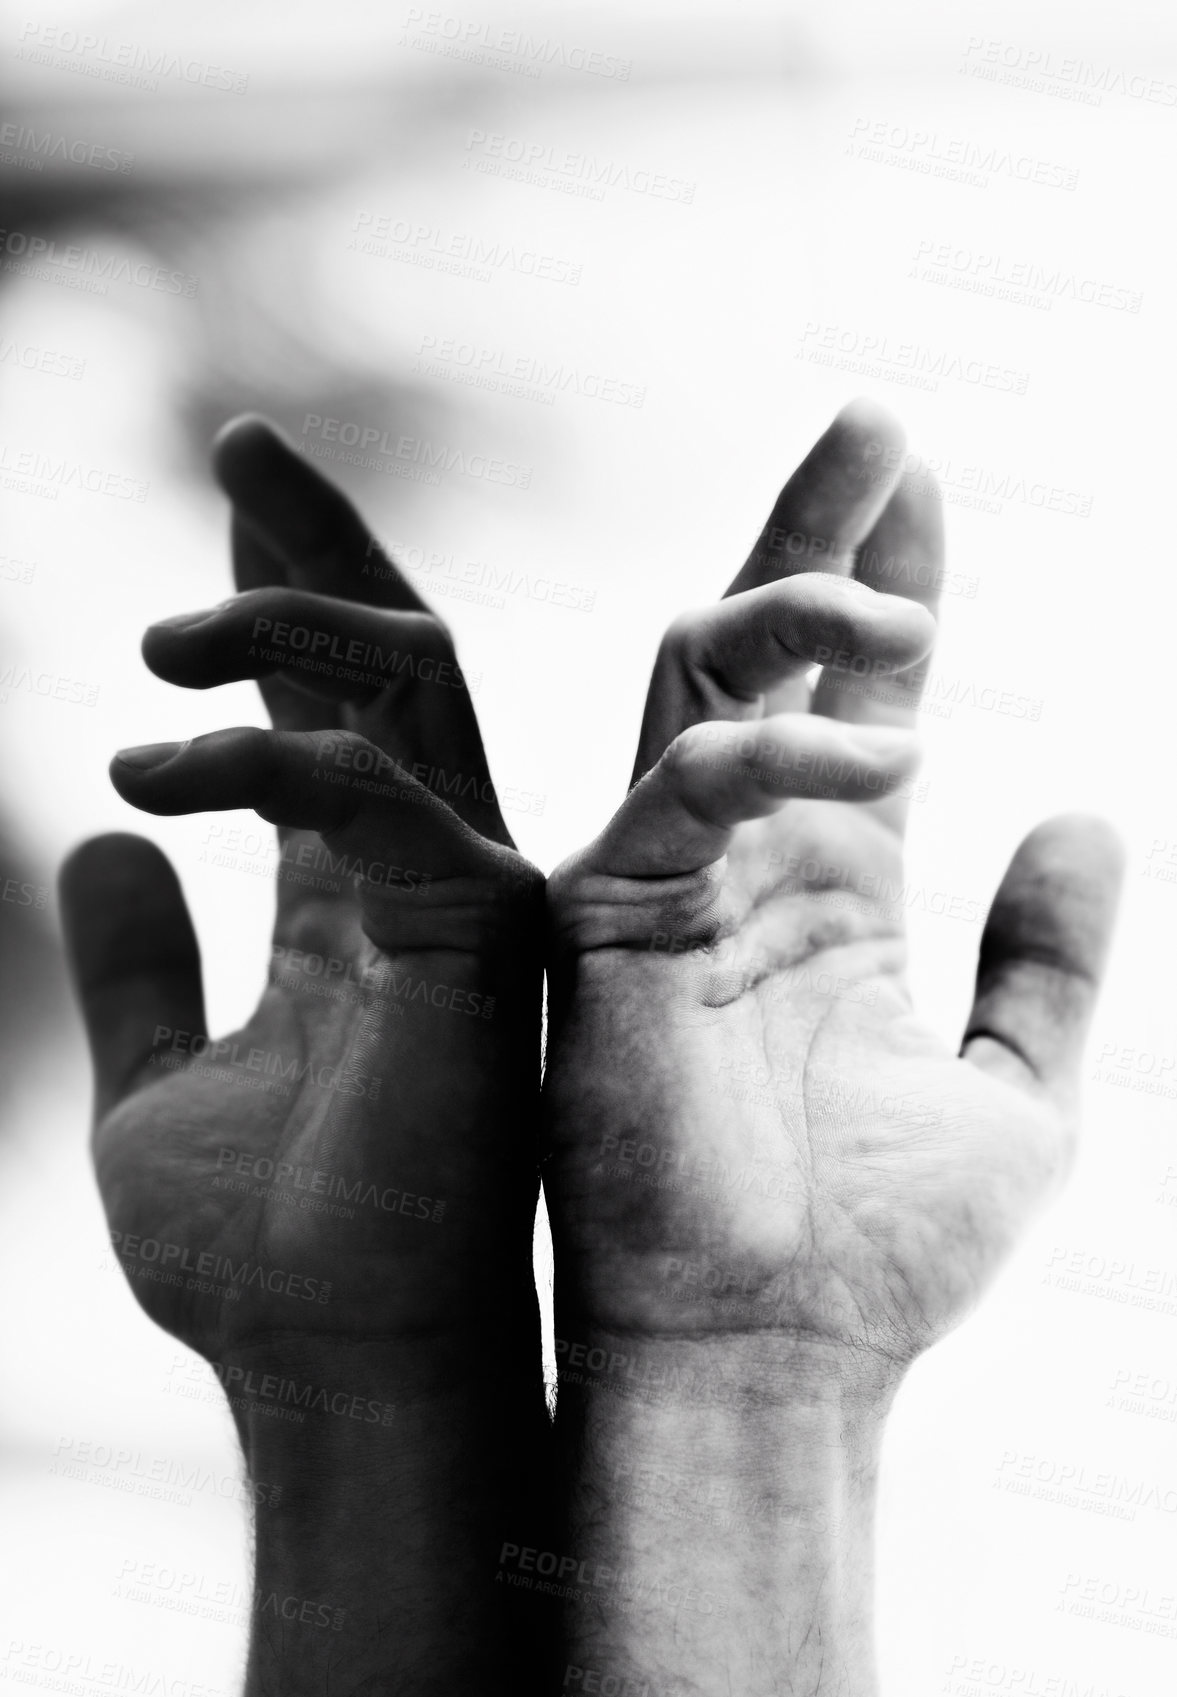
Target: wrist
381 1508
722 1496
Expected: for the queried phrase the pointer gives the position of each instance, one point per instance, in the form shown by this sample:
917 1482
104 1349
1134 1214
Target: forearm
380 1515
719 1501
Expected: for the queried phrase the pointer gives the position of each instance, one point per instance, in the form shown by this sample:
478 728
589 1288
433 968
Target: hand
750 1130
334 1204
356 1161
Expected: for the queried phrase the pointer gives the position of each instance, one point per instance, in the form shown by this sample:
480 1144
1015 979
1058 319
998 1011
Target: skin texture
401 1105
782 1179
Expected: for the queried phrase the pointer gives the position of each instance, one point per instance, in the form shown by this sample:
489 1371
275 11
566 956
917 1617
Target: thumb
133 956
1043 952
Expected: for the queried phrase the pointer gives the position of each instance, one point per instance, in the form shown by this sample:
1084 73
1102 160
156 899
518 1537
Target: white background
793 236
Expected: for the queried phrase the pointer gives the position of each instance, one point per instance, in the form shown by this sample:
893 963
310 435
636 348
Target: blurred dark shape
36 1018
228 204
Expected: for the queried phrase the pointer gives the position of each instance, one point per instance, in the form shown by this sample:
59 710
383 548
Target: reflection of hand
740 919
338 1197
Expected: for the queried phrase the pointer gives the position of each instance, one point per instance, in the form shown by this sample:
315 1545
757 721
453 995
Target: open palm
310 1173
777 1142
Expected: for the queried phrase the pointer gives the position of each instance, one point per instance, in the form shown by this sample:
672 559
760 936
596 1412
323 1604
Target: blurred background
561 295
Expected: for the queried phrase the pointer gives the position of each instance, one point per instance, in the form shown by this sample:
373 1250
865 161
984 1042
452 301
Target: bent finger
423 876
736 656
716 775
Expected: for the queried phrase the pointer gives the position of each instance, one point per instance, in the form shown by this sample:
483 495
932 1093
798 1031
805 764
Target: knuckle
437 638
692 746
681 640
254 743
268 601
338 745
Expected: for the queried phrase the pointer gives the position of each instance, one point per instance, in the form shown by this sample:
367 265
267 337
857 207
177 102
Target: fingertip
132 771
132 951
247 432
1070 869
919 624
910 626
1057 902
897 630
104 878
184 650
247 449
871 425
103 861
1079 839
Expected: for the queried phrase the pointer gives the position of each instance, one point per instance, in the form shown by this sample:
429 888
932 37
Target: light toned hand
741 918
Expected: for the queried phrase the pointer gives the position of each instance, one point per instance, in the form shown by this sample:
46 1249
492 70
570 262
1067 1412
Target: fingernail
148 755
181 621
